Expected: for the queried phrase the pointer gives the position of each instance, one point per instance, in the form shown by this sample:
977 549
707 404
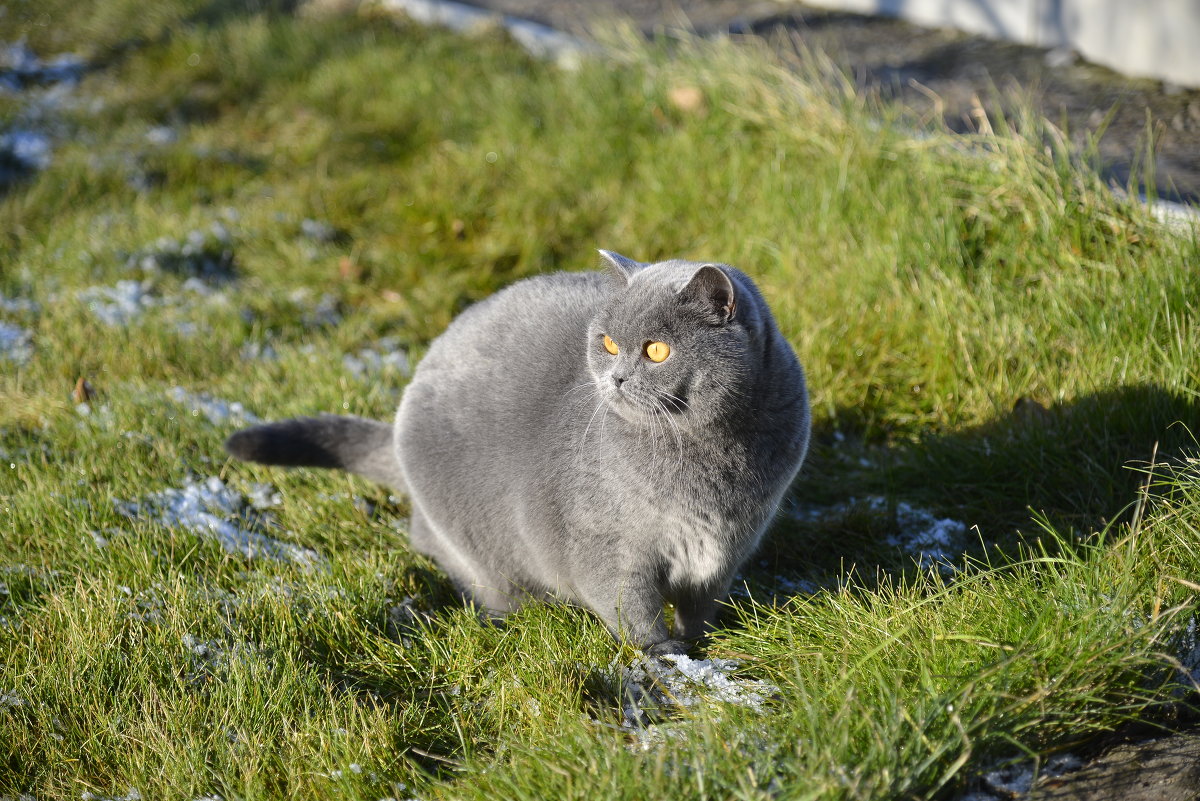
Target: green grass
929 282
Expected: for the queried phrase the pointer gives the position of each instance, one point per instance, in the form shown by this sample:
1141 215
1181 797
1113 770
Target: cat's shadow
1077 465
859 502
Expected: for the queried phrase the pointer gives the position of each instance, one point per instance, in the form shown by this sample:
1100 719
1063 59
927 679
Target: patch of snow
132 795
387 356
201 254
317 230
797 586
210 509
1061 764
162 135
1189 652
20 67
712 678
653 685
934 541
118 305
11 700
323 313
217 411
262 351
539 40
27 149
1010 781
263 496
657 735
18 305
99 539
16 344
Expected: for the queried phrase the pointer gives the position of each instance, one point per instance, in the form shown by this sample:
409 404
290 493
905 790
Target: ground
215 212
948 73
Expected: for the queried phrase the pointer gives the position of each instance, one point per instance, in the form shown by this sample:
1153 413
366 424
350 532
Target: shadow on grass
1077 466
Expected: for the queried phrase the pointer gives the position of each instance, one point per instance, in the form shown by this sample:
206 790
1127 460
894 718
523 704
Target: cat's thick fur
540 465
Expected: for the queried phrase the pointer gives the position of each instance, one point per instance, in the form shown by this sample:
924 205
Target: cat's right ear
621 268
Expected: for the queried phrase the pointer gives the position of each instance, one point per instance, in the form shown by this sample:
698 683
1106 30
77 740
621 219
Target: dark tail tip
247 444
292 443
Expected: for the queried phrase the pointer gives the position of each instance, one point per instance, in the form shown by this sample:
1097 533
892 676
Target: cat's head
676 339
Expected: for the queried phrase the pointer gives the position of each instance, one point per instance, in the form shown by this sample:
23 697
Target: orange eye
610 346
657 351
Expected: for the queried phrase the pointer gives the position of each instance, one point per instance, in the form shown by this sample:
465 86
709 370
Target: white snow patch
217 411
20 66
16 344
162 135
261 351
120 304
386 356
132 795
540 41
263 496
29 149
934 541
711 678
1011 781
210 509
652 685
18 305
318 230
1189 652
323 313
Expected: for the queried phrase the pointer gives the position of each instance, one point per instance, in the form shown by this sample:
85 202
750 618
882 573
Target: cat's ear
621 268
711 288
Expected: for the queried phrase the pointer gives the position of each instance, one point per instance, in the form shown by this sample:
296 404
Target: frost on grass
217 411
16 344
212 510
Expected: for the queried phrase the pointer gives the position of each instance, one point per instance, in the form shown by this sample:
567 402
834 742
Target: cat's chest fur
696 509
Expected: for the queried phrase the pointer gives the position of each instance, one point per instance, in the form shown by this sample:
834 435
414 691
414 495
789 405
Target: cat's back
535 327
497 373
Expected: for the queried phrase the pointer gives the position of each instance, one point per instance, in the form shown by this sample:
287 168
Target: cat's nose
618 380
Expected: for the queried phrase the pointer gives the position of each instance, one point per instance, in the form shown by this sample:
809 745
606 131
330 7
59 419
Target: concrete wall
1145 38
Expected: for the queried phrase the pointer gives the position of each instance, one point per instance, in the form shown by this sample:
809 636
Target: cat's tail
343 442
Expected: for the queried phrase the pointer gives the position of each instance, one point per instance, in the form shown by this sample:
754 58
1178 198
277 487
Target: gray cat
613 441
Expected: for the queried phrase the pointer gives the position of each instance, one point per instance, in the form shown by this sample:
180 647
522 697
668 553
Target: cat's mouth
640 408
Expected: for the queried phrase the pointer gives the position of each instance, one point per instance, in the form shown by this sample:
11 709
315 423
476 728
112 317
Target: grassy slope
927 284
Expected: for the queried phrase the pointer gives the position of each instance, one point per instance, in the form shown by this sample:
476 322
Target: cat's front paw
674 647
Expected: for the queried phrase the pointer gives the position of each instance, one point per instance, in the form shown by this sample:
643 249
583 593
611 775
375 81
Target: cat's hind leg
494 596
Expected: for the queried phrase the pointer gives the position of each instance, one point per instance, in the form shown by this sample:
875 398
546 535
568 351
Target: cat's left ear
620 267
711 288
